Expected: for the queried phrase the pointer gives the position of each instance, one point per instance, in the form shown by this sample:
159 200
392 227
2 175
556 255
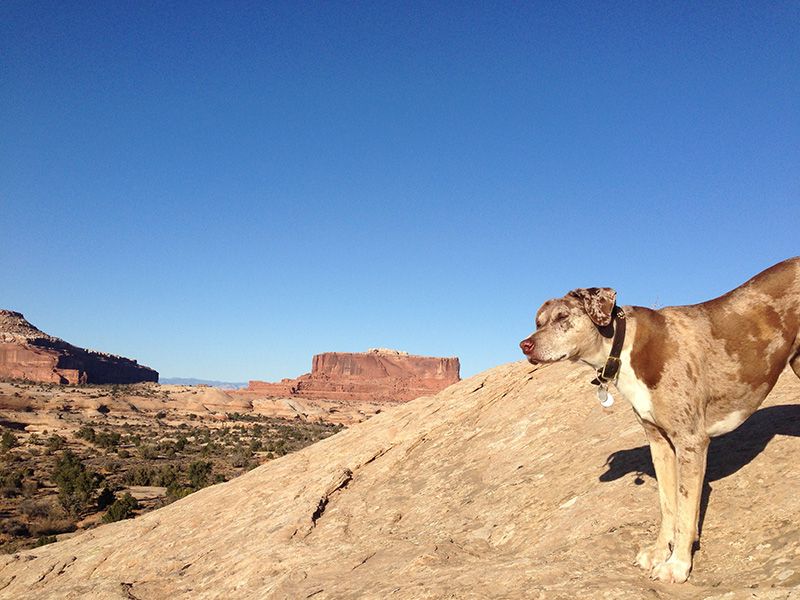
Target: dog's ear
597 302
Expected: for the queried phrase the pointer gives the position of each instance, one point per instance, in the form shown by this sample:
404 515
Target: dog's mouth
541 361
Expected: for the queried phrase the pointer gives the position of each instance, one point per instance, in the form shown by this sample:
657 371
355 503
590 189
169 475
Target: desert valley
89 437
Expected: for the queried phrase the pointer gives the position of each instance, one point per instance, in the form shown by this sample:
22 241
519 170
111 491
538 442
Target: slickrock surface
514 483
379 375
30 354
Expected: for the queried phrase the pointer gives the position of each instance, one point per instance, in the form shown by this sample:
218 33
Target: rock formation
514 483
30 354
376 375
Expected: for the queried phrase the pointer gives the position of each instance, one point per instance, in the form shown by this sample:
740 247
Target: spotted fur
690 372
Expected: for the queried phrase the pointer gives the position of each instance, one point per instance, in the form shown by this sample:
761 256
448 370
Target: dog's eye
559 317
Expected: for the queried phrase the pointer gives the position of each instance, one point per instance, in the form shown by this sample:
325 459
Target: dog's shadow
726 454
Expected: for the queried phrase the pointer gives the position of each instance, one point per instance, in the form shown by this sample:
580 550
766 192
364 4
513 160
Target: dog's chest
635 391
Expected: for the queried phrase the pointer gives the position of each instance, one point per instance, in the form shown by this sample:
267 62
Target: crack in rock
340 481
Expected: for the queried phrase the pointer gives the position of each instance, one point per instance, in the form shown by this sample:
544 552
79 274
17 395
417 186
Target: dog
689 372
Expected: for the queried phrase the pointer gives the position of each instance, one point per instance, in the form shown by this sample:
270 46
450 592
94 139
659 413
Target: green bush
86 433
176 491
55 443
11 482
44 540
199 473
76 485
148 452
8 440
121 509
108 441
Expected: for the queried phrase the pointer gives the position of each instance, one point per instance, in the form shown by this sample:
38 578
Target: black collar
610 370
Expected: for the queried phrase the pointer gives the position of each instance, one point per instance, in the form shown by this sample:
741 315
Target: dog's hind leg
663 455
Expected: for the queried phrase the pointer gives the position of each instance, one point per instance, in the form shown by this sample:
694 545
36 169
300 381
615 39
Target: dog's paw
671 571
651 556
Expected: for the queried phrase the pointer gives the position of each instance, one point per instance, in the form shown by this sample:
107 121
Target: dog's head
570 327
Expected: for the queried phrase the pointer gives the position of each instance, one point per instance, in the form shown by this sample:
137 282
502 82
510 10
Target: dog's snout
526 345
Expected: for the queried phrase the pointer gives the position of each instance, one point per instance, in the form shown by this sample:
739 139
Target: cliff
30 354
379 374
514 483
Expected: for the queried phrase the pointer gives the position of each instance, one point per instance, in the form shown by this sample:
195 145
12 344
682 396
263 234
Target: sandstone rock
377 375
514 483
30 354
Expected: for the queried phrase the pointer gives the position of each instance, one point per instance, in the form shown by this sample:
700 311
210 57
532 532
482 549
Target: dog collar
610 370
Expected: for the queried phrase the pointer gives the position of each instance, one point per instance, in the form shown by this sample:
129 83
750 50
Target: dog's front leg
663 455
691 453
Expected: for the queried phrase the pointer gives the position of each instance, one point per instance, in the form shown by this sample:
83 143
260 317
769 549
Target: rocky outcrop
30 354
376 375
514 483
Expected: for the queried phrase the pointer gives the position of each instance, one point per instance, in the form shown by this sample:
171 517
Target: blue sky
221 190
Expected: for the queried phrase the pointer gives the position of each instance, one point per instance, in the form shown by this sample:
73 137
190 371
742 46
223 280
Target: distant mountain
224 385
30 354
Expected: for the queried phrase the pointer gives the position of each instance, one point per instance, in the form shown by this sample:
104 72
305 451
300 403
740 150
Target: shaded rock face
514 483
30 354
379 374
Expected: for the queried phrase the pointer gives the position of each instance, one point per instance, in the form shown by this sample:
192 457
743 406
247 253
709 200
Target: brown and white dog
690 373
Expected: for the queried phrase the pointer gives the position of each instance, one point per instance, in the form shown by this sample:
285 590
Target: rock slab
514 483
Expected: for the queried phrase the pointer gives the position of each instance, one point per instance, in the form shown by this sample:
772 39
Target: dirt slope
512 484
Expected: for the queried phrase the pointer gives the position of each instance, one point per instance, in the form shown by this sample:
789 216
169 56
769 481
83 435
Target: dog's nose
526 345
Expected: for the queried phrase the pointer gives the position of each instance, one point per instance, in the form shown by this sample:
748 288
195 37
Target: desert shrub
148 452
37 509
46 517
44 540
8 440
75 483
55 443
241 456
11 482
199 473
177 491
108 440
139 476
162 477
122 508
86 433
47 527
14 528
30 486
210 449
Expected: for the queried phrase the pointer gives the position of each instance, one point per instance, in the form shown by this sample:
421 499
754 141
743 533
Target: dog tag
605 397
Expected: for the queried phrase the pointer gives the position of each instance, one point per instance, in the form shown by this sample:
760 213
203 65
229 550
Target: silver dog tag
605 397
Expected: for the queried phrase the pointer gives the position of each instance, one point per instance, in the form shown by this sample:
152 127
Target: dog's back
731 349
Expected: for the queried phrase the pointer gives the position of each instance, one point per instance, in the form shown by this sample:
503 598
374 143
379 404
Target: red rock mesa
30 354
376 375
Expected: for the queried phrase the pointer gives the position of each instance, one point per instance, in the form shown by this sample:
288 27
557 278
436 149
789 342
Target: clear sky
223 189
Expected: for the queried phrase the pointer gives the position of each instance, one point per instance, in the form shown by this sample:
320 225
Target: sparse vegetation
82 472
